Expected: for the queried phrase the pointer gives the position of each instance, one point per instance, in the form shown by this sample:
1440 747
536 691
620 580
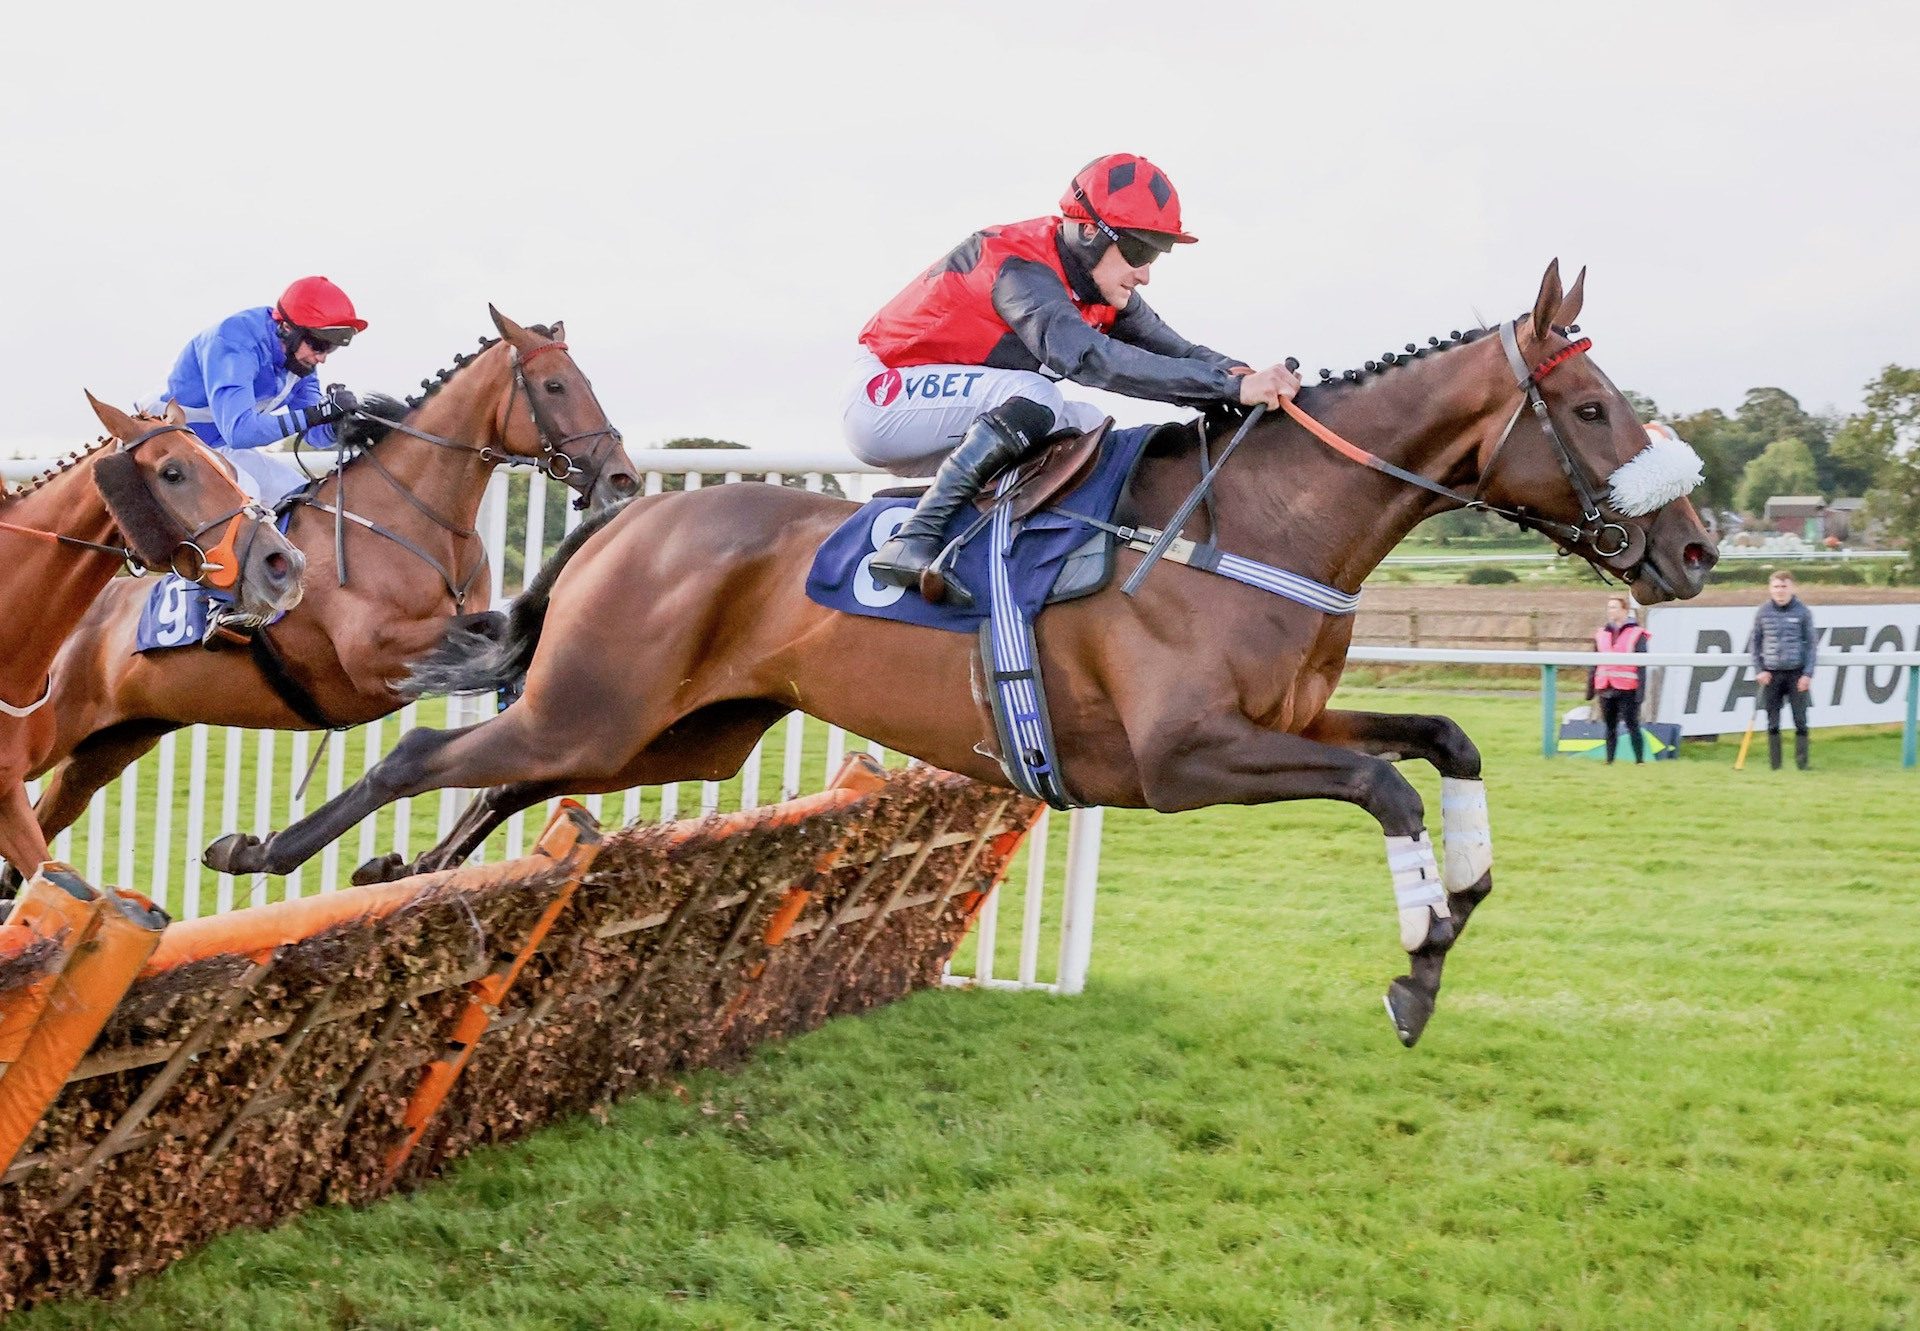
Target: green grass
1672 1083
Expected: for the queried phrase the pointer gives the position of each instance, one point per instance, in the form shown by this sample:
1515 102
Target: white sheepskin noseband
1658 474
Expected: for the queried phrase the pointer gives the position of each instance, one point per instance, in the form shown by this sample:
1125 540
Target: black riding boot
1800 746
997 439
1773 748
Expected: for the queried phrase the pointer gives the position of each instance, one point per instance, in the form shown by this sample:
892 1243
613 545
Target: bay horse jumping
412 494
151 497
659 644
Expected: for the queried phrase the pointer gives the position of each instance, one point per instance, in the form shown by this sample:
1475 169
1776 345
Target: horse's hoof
235 853
1460 904
382 869
1410 1007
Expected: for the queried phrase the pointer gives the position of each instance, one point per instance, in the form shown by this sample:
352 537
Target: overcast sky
715 198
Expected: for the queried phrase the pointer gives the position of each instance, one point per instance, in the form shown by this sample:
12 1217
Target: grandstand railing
147 829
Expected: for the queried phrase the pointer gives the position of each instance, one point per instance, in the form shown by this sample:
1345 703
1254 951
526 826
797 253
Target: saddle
1040 479
1025 489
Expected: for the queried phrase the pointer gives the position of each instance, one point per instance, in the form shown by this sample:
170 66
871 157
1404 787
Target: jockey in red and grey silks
1019 298
959 374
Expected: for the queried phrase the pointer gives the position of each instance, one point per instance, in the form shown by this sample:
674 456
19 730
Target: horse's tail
476 655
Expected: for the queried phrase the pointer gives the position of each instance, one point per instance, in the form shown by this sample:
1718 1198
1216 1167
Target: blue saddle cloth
175 615
176 611
840 580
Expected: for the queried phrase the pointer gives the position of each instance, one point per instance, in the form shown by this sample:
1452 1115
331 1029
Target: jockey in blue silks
248 381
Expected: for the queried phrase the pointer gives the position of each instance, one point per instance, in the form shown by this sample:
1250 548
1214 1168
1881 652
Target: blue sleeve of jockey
306 392
230 372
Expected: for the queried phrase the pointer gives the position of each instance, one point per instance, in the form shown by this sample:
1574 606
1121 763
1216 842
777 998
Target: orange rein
1313 427
219 567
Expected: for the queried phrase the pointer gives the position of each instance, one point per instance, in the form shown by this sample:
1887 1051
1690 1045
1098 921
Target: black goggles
328 339
1140 248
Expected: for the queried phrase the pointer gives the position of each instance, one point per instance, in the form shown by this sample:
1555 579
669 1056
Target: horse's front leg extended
1226 759
1467 837
410 769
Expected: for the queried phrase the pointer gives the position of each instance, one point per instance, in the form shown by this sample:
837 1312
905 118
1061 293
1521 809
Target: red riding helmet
1125 192
317 305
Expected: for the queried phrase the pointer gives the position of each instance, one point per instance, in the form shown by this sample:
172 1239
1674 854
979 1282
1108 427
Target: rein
198 560
1529 382
188 554
553 460
1593 526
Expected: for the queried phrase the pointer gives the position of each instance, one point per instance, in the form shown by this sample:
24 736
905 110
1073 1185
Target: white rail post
1035 898
1083 880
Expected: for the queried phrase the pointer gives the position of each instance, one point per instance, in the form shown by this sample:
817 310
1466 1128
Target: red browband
541 351
1559 358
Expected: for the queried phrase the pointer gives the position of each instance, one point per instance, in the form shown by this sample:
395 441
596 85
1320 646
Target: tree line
1771 445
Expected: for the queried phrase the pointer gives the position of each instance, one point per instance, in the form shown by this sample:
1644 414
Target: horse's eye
555 386
173 473
1590 411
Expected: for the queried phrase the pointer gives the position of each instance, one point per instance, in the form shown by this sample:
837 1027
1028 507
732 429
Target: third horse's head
562 424
178 508
1576 460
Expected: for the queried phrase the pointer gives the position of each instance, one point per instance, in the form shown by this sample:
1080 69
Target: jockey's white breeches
266 476
907 421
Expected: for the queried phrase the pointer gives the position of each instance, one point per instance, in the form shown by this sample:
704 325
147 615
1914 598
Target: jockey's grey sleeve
1035 305
1140 325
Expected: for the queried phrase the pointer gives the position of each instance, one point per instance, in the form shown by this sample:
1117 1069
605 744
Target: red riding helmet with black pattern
1126 192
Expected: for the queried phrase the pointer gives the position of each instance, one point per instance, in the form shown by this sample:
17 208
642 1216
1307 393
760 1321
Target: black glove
338 404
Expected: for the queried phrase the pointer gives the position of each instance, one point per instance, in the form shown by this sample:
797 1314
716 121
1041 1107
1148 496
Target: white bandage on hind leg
1416 887
1468 836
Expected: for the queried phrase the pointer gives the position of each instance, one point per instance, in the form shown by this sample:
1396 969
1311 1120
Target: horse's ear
1570 304
1547 303
508 328
118 423
559 330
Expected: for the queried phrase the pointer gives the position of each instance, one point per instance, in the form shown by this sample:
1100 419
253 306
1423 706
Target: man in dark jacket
1785 648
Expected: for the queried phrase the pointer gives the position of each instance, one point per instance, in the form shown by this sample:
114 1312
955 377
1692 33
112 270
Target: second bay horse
414 559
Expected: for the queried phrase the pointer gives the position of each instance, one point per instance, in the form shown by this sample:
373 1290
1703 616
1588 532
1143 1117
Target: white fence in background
1728 554
147 829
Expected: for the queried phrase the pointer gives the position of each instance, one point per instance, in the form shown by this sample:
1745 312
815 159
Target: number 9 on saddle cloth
177 611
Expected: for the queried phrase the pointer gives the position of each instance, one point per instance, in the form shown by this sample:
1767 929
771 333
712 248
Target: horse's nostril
624 483
1699 556
279 567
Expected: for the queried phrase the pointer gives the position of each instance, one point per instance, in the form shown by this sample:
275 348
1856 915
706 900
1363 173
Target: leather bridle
217 566
554 460
1593 518
1596 522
